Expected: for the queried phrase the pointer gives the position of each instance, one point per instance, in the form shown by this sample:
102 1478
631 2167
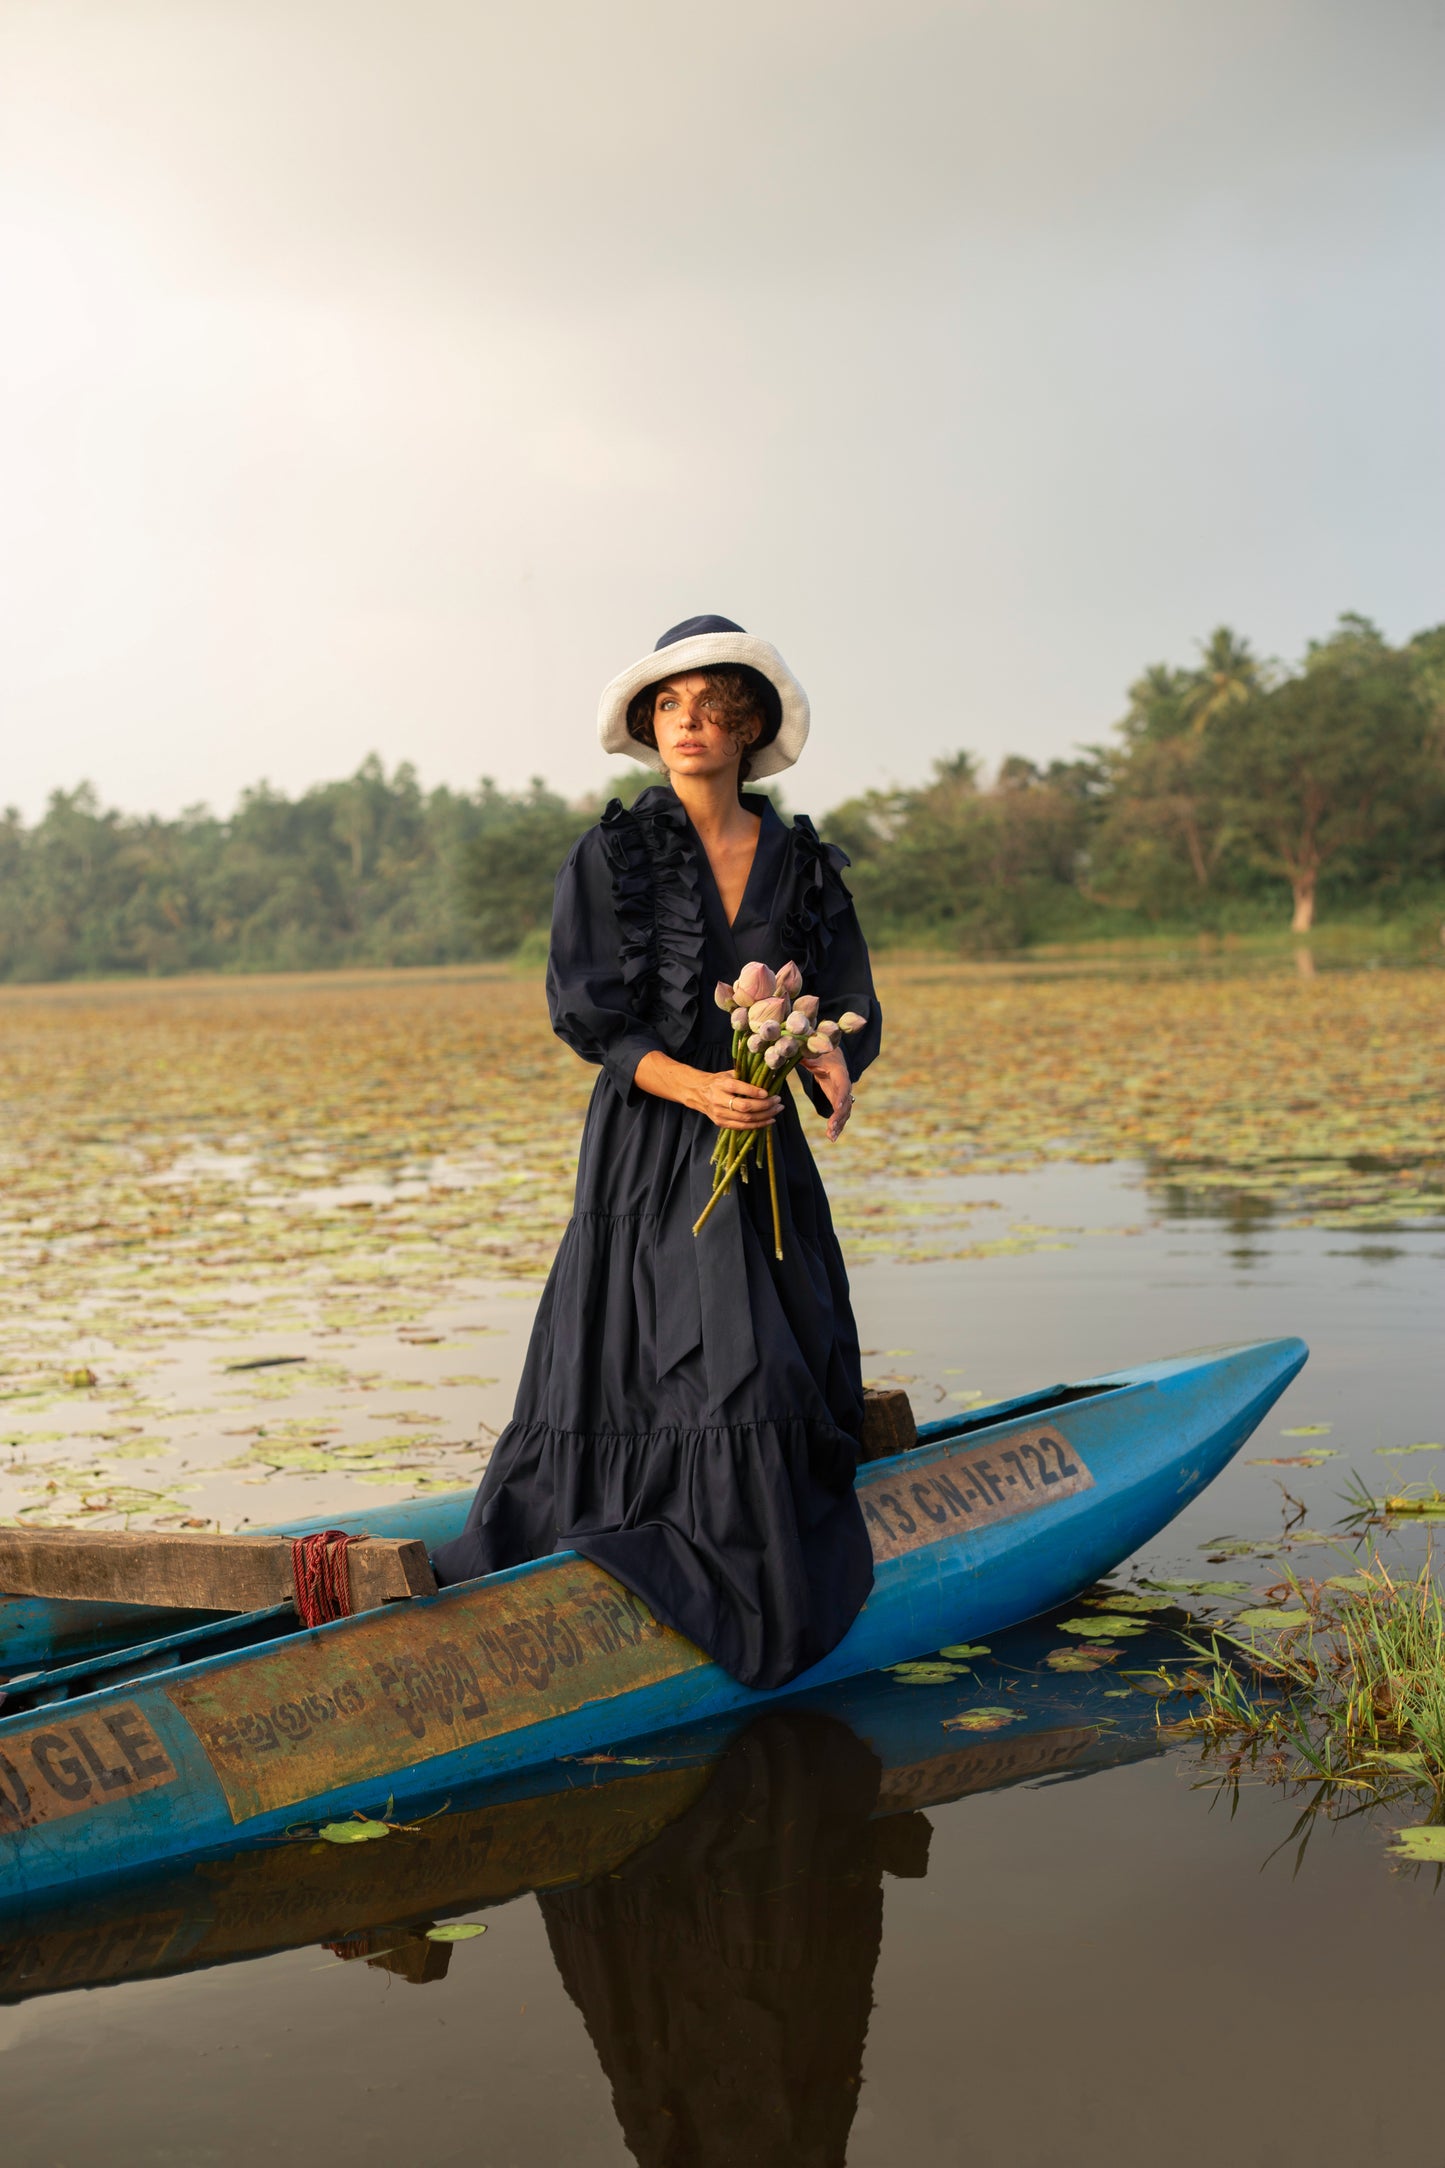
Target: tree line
1234 792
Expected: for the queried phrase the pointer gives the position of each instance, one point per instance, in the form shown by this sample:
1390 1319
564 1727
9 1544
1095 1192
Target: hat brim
703 652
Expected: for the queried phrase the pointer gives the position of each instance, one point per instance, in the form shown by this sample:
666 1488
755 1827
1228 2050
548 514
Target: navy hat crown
692 626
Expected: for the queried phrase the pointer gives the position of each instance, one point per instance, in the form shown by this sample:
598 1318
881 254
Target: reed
1348 1691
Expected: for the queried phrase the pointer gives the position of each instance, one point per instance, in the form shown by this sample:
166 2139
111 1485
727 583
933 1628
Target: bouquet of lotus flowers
775 1026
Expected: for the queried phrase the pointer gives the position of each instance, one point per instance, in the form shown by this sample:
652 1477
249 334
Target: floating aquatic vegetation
1131 1600
1423 1501
981 1720
1423 1846
1292 1460
1339 1692
1103 1626
275 1169
357 1831
1089 1659
1201 1588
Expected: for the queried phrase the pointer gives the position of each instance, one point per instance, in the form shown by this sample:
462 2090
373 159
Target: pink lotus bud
754 983
763 1037
767 1012
850 1020
790 981
776 1056
724 996
819 1045
830 1032
807 1005
799 1024
740 1018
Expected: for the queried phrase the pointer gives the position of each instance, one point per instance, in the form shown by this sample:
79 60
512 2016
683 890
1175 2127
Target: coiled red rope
321 1577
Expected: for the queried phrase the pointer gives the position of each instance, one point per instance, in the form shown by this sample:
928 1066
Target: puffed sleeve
585 991
844 974
846 982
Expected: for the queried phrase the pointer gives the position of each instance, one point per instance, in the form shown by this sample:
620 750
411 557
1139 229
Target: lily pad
1310 1459
1308 1430
958 1650
1275 1620
1204 1588
1093 1659
928 1674
1398 1452
1102 1626
358 1832
460 1931
1128 1600
1414 1765
980 1720
1425 1844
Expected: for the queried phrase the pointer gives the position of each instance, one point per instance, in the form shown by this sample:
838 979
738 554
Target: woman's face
691 738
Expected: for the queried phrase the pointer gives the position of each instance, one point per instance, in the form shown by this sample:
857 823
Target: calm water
843 1935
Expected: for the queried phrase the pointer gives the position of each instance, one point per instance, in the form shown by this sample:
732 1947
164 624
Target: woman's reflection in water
726 1971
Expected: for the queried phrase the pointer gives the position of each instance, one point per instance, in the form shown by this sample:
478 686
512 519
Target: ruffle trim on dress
657 895
818 900
747 1539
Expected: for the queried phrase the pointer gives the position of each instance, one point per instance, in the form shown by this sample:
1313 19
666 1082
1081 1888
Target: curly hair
741 695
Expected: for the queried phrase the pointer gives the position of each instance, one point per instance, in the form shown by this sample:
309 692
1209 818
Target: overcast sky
386 374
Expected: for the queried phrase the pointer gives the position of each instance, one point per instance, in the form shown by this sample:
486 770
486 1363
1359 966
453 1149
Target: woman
689 1411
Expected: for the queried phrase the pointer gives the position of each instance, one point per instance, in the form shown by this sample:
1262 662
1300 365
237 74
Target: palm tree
1229 674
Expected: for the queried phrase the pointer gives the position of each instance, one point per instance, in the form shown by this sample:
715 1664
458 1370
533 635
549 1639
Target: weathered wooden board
188 1571
888 1425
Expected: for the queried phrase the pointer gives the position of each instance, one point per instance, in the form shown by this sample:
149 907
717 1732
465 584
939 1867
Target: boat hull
549 1829
987 1522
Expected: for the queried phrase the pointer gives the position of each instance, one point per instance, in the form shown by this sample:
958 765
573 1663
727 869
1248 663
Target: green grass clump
1342 1686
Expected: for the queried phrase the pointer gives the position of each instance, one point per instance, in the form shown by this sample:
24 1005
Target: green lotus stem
723 1186
773 1193
733 1148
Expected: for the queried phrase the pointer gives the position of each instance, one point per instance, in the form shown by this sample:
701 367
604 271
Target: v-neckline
733 922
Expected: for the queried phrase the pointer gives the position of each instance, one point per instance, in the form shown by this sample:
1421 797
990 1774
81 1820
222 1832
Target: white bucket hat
700 643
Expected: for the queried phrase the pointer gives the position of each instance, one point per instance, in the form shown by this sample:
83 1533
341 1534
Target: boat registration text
970 1488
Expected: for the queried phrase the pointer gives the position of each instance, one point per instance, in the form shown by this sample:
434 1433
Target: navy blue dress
689 1410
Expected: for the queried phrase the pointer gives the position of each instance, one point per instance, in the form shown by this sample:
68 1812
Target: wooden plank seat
888 1425
189 1571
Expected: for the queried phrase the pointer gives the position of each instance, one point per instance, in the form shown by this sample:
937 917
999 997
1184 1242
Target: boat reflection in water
713 1899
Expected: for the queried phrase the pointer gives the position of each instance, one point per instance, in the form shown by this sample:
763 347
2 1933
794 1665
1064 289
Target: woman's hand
731 1104
723 1098
831 1071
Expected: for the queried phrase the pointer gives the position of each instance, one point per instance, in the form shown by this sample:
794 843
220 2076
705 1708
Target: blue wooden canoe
181 1744
564 1824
